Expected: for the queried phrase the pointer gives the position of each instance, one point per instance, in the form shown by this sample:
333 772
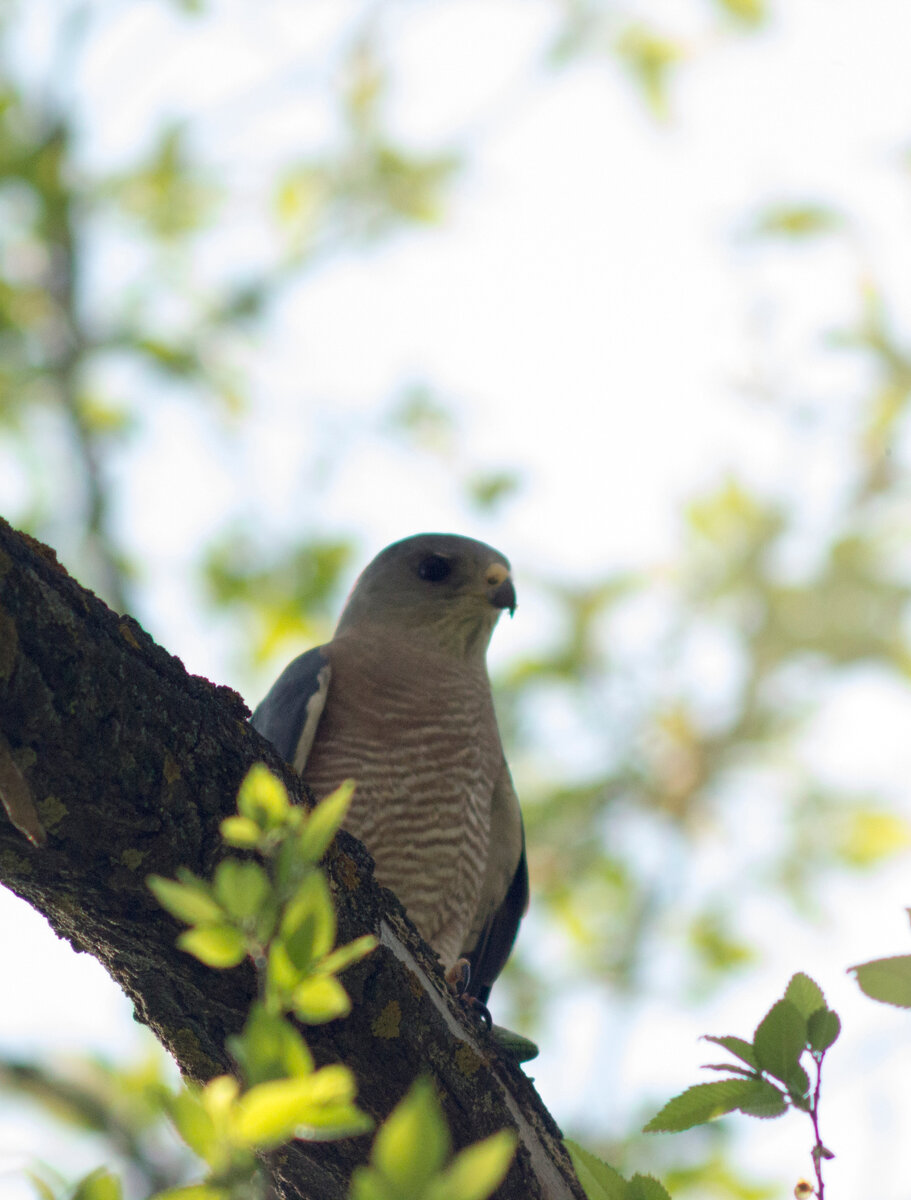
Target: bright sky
590 307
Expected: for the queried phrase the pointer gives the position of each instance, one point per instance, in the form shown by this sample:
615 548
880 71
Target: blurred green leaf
242 888
308 925
188 898
263 798
219 946
797 221
747 12
477 1171
651 58
99 1185
886 979
324 821
270 1048
413 1142
320 998
343 956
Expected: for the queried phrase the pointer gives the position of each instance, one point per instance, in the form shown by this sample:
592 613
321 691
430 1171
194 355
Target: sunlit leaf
188 899
99 1185
241 887
241 832
324 821
413 1142
351 952
219 946
308 926
478 1170
263 797
320 998
270 1048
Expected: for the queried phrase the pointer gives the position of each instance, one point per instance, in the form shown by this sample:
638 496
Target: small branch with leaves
278 912
770 1077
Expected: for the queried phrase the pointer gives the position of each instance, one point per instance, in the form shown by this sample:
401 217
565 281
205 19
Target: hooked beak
500 590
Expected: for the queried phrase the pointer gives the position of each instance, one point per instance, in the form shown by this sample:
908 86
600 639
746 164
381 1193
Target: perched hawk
400 702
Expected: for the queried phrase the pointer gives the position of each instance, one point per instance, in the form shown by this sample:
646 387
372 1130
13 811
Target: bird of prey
400 702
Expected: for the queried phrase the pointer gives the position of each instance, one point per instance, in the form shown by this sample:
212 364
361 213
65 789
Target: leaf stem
819 1150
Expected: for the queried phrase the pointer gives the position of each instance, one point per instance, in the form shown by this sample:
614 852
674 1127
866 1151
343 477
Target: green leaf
99 1185
308 926
190 900
796 221
218 1099
324 822
270 1113
762 1099
478 1170
241 832
263 798
746 12
319 999
241 888
804 994
521 1048
270 1048
823 1028
216 945
705 1101
646 1187
780 1039
736 1046
351 952
799 1087
192 1121
413 1141
886 979
367 1184
599 1181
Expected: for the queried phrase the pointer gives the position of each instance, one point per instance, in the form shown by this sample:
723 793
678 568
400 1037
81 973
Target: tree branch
115 763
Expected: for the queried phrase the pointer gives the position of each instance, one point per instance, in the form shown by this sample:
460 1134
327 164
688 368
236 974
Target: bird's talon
458 977
478 1010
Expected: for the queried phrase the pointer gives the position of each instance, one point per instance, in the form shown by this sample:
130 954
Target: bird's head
434 586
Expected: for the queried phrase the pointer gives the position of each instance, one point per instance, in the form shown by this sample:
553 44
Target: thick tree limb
115 763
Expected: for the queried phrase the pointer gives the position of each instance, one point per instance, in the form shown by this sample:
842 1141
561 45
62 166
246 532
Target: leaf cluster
769 1076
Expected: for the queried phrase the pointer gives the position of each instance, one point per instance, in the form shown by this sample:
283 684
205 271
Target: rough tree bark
115 763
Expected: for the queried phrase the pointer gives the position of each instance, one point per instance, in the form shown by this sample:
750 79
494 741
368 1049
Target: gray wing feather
506 888
290 713
488 957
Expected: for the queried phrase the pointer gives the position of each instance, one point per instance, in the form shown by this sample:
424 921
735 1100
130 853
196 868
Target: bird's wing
290 713
489 953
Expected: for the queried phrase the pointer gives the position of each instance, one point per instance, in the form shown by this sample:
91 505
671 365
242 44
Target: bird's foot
458 977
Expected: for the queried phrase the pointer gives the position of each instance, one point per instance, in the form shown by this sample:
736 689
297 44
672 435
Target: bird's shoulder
294 703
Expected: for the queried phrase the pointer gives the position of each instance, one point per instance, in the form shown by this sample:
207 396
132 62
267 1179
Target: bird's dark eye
434 568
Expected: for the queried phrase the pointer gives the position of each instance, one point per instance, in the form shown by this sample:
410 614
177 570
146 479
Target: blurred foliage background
669 721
